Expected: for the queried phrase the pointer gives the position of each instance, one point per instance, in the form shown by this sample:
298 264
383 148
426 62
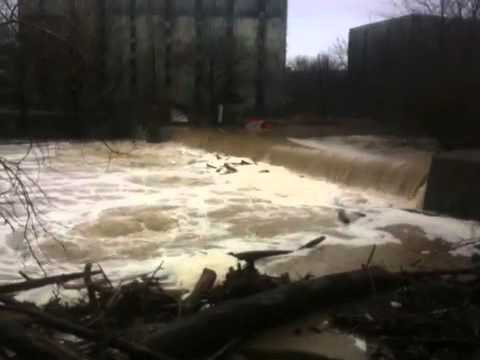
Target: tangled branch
20 196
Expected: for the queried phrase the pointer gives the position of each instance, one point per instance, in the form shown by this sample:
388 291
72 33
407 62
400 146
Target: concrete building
417 68
194 53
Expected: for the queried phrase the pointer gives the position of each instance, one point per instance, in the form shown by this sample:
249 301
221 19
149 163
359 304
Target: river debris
348 217
419 315
430 317
36 283
242 163
250 257
228 167
313 243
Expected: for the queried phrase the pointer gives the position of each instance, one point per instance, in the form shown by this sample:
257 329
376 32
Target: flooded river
152 203
174 203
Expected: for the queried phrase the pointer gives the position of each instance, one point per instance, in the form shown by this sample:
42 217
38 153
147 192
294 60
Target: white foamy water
168 203
390 165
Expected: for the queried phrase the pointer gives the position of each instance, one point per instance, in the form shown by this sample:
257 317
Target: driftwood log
36 283
250 257
204 285
32 346
213 328
133 349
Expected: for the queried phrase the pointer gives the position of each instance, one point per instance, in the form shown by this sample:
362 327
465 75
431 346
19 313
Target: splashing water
167 202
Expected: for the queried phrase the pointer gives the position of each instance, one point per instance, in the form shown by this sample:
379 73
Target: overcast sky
315 24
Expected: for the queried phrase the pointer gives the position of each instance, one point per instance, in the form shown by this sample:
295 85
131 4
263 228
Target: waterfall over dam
385 165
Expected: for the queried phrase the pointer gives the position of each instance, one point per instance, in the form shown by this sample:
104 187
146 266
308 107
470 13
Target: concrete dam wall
369 163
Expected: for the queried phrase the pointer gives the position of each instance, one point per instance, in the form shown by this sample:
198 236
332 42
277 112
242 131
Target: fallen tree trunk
200 291
36 283
137 351
16 338
214 327
87 279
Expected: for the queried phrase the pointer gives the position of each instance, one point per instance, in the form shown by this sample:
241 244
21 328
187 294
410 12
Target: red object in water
267 126
255 124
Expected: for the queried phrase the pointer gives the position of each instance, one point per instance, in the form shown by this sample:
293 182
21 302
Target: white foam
452 230
360 344
214 213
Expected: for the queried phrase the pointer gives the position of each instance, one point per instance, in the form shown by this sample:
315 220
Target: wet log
135 350
475 270
242 163
201 290
349 217
313 243
25 345
250 257
36 283
92 296
257 354
214 327
229 169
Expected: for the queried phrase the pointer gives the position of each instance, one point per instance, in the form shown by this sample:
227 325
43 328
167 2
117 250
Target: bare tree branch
18 210
464 9
339 54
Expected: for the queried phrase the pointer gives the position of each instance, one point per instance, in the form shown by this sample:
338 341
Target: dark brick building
418 70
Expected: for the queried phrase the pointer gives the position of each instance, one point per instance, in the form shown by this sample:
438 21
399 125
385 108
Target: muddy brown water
385 164
167 203
379 164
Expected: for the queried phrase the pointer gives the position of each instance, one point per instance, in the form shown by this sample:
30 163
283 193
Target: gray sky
315 24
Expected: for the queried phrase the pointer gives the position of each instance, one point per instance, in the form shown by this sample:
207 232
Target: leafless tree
318 84
21 196
18 209
8 17
465 9
338 53
335 60
8 10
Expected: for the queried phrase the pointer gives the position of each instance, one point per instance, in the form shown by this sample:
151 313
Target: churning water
175 203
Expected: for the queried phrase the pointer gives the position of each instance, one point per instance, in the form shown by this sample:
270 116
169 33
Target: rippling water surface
167 203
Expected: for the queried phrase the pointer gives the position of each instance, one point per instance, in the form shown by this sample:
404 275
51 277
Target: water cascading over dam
175 203
384 165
